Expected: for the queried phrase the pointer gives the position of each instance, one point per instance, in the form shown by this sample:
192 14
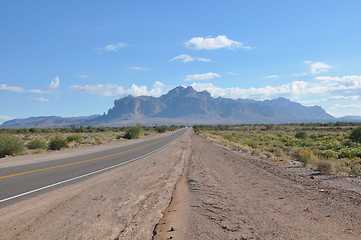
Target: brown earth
192 189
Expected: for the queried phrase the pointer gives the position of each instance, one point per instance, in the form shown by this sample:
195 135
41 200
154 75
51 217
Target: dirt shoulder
234 196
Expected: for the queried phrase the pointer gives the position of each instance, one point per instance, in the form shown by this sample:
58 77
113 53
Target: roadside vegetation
333 148
15 142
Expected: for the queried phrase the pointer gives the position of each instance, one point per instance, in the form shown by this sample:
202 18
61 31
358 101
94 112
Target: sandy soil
192 189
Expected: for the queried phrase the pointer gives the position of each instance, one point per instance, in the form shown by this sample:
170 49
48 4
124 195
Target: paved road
21 182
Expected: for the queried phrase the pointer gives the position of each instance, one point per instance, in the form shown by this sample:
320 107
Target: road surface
21 182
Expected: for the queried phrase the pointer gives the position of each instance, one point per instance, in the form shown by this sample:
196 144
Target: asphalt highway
21 182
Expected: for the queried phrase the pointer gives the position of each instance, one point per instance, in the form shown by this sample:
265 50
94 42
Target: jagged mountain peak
187 103
181 91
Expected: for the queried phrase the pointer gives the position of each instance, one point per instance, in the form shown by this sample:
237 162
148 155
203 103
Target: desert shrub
75 137
118 136
304 155
251 143
301 135
58 143
350 152
329 154
356 171
229 137
134 132
101 129
356 135
326 167
161 129
34 130
256 152
10 146
268 154
36 144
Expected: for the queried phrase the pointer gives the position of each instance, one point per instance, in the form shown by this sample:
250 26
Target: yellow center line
74 163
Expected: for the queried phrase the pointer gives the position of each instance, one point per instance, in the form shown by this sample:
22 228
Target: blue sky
74 58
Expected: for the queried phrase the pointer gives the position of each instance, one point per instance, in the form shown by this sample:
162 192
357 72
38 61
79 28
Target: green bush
161 129
356 135
251 143
75 137
134 132
301 135
34 130
36 143
329 154
10 146
58 143
229 137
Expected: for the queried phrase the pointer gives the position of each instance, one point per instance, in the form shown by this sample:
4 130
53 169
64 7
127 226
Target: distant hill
186 106
350 119
46 122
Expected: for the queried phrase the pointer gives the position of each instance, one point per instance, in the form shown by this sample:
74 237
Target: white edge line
85 175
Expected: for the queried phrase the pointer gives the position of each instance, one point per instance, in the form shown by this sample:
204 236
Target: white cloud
311 102
328 78
5 118
83 76
50 89
55 83
209 43
114 90
100 89
271 76
231 73
5 87
317 67
186 58
300 74
349 86
350 106
114 47
40 99
347 98
139 68
267 92
204 76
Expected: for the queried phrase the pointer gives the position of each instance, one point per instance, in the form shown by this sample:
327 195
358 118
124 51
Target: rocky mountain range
186 106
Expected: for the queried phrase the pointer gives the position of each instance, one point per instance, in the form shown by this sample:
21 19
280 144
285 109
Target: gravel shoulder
192 189
235 196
